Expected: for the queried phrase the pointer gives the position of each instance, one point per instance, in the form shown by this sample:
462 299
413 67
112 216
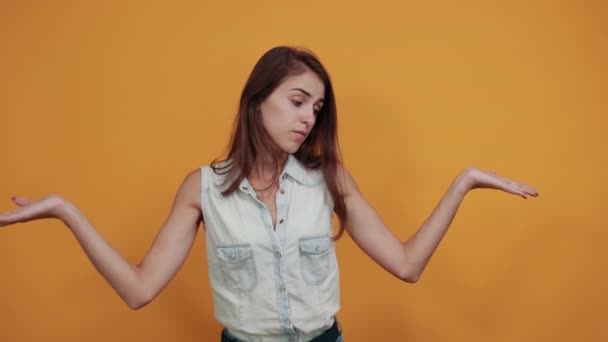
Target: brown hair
250 139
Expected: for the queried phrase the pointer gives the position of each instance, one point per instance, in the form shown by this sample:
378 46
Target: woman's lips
299 135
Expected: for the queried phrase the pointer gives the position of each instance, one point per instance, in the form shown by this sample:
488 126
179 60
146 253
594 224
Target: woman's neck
263 174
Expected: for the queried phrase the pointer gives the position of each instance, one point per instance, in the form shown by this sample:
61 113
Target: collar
296 170
303 175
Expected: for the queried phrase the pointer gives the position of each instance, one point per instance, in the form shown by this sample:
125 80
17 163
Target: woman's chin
291 148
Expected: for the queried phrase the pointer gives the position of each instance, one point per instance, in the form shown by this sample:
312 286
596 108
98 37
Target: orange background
112 103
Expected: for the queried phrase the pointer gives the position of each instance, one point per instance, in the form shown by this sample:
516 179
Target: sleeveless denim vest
272 285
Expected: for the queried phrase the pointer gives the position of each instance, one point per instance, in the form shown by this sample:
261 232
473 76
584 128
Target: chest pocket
238 267
314 258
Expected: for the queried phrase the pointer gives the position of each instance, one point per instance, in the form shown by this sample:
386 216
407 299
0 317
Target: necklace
261 194
271 185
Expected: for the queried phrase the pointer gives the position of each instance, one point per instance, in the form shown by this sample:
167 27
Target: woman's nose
309 116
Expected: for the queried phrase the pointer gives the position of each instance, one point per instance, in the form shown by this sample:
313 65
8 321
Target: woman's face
289 113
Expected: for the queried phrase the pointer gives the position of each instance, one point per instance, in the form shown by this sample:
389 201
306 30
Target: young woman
267 213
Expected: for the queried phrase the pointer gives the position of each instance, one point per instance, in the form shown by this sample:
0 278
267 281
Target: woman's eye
296 103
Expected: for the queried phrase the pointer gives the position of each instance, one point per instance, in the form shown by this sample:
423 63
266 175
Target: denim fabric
226 337
333 334
268 284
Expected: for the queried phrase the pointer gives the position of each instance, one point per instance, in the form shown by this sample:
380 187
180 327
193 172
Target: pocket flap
314 245
234 253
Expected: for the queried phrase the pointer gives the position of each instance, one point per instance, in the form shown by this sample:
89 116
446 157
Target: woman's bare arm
408 259
137 284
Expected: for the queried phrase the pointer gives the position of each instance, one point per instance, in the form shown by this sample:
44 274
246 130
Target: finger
527 190
513 187
21 201
525 187
531 189
26 210
17 215
11 217
519 185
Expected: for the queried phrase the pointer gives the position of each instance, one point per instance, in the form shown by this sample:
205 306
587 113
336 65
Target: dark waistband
329 335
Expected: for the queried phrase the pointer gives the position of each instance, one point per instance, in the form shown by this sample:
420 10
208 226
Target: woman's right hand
123 276
136 284
50 206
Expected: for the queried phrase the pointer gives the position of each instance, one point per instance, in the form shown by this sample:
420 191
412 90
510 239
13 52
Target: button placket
282 297
278 237
283 199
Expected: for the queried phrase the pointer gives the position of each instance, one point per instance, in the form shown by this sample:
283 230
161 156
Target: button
277 254
281 221
245 188
282 288
282 191
288 322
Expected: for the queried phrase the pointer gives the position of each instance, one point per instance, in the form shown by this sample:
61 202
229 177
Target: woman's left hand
475 179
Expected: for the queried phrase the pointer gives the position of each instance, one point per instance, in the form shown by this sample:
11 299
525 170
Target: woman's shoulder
191 187
194 181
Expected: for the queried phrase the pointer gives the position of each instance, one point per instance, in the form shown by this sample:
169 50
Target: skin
284 111
292 106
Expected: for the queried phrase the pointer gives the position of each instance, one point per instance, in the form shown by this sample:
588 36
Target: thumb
21 201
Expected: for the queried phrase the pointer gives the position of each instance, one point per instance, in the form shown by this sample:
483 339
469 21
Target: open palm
46 207
489 179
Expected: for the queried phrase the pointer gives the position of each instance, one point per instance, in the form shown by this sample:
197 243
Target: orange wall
111 103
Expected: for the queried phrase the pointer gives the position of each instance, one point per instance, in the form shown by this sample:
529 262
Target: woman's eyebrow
305 93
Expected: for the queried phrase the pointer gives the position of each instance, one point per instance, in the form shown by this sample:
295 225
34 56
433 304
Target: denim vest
272 285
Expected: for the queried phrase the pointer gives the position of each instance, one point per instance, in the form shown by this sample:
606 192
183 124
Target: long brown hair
250 140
